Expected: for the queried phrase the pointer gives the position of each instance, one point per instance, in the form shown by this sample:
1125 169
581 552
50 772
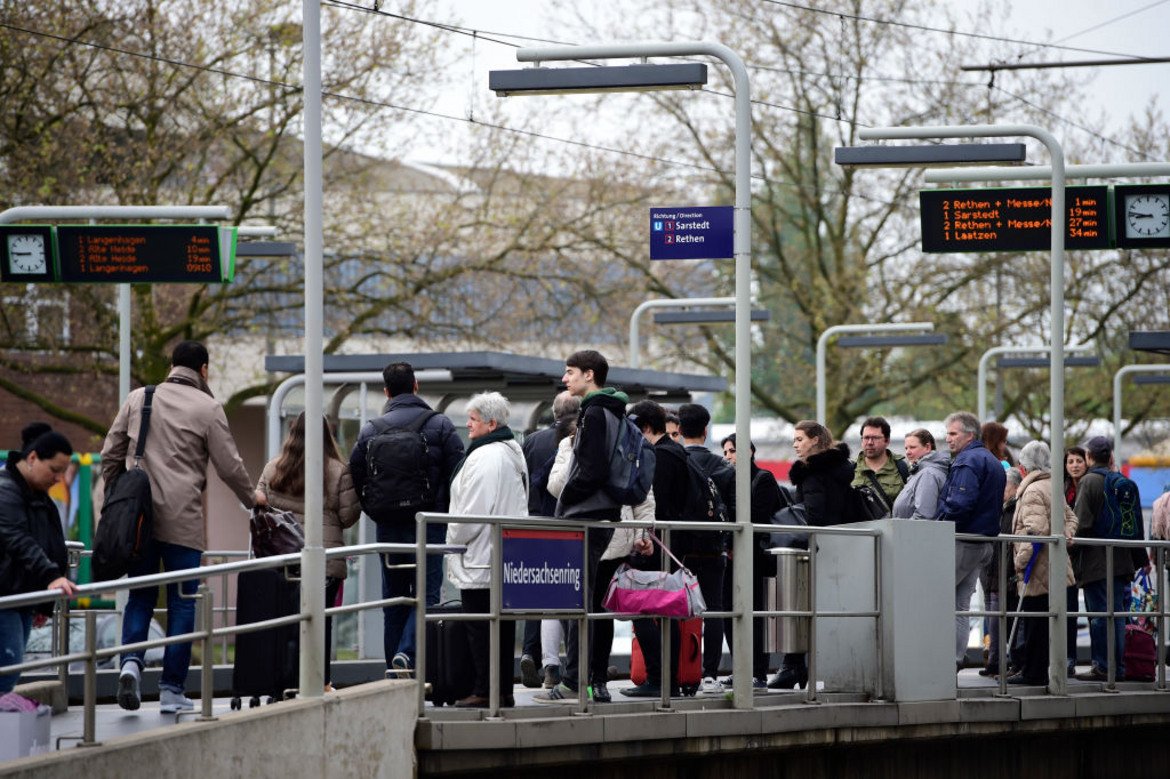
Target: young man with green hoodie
584 497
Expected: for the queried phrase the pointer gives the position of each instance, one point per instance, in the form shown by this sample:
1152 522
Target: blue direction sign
692 233
543 569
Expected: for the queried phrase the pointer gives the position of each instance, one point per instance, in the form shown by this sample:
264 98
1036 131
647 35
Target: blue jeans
180 612
398 621
15 625
1095 600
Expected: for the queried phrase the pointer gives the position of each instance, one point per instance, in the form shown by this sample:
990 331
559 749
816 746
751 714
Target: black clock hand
1136 215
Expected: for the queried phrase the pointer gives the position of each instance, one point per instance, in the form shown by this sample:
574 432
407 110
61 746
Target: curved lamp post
995 351
1117 377
1057 682
823 342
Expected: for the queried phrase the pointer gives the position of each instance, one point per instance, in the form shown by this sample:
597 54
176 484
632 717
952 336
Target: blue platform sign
543 569
692 233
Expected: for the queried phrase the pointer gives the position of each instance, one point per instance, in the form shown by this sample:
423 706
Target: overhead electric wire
928 28
475 34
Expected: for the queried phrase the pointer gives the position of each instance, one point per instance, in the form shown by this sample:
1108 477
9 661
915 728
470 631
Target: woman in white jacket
492 479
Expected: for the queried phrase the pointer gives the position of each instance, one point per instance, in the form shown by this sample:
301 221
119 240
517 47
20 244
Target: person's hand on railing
62 583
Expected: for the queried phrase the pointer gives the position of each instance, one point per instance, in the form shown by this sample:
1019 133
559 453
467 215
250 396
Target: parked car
40 641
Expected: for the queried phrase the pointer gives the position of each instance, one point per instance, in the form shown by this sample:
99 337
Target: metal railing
1058 612
738 611
205 632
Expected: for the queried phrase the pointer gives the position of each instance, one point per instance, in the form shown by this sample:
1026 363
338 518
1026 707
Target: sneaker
644 690
171 702
710 687
528 675
129 697
400 663
599 693
728 684
1094 674
560 694
552 676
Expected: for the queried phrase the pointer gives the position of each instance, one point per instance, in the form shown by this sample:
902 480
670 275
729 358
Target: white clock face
26 254
1147 216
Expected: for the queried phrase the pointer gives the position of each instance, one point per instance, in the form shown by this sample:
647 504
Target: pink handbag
655 593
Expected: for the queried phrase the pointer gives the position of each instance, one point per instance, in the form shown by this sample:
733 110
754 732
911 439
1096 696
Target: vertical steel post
207 667
89 710
1058 607
312 680
420 610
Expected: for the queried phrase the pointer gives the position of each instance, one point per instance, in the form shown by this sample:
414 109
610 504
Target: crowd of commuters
563 471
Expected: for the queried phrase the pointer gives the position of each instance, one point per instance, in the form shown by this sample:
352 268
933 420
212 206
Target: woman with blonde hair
822 474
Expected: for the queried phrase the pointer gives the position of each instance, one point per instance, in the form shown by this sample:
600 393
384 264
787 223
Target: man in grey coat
188 430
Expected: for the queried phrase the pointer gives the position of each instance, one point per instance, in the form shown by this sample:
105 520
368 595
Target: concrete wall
365 731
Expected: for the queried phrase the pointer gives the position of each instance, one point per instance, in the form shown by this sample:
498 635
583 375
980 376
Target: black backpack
398 470
701 503
125 533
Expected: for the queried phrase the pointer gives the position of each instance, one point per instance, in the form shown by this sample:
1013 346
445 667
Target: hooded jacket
188 429
1032 518
584 495
823 486
919 498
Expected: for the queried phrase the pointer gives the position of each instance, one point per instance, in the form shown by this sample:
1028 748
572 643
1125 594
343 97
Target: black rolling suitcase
267 661
450 672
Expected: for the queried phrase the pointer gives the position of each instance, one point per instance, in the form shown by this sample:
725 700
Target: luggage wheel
236 704
254 701
270 700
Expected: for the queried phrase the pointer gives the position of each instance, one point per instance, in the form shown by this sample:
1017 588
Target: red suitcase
690 657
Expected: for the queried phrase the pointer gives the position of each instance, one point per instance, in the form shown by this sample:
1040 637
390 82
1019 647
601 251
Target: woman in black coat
822 474
32 544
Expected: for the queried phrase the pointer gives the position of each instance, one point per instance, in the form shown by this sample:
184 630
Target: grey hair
1014 477
1036 457
968 421
491 406
565 405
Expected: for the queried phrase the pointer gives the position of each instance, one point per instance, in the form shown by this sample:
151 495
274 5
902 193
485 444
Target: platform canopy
517 376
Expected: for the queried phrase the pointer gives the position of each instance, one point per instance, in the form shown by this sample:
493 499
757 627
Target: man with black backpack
708 558
1102 495
401 465
588 495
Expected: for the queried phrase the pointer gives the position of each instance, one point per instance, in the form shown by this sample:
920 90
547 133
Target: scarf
499 434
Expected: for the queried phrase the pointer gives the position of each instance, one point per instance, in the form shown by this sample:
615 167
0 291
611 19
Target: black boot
793 673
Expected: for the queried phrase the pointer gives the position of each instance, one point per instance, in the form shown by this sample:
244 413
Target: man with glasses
878 467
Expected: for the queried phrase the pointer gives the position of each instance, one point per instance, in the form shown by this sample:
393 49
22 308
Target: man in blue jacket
972 498
444 452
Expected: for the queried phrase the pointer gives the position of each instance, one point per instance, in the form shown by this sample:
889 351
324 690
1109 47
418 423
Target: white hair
490 406
1036 457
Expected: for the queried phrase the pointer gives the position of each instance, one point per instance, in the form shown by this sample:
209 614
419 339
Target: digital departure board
1017 219
169 254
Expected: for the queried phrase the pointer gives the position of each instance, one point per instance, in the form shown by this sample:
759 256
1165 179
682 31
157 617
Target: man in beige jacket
187 430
